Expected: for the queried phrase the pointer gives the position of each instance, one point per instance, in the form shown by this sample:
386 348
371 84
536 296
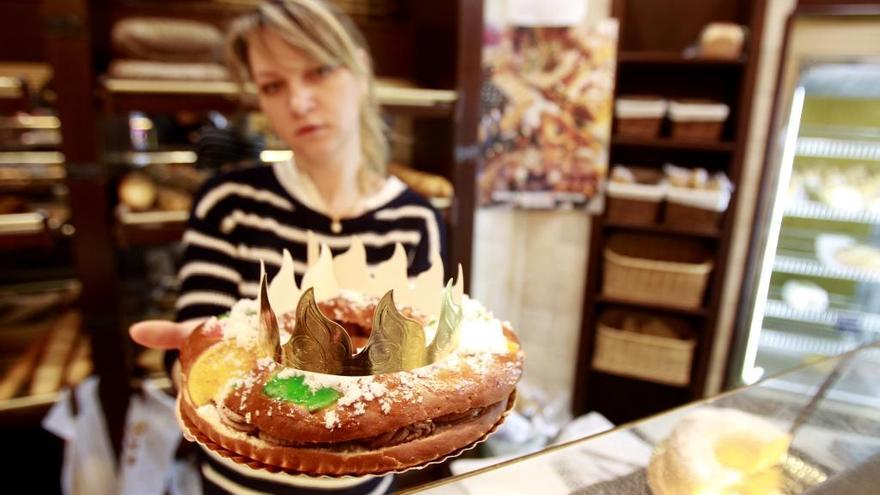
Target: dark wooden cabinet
653 37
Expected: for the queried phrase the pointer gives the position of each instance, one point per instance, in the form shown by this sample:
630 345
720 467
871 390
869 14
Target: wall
529 267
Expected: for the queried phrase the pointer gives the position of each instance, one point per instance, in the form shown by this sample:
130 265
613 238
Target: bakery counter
811 430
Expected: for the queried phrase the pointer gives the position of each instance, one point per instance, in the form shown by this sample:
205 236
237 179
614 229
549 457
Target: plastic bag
150 440
89 466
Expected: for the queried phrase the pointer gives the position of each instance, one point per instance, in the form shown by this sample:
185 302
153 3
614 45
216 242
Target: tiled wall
529 267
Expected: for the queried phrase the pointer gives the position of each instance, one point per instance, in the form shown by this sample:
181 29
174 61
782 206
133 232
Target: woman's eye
323 70
270 88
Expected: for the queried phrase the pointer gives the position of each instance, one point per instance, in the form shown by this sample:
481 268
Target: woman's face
313 107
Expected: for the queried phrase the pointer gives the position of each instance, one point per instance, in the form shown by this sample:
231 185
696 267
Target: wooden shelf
27 410
151 228
43 122
26 240
661 229
24 230
672 144
639 379
31 158
698 312
626 399
674 59
651 63
213 11
163 96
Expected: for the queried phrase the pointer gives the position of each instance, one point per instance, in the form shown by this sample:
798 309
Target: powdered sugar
242 324
356 299
331 419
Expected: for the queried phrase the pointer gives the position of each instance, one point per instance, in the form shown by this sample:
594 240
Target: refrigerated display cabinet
812 285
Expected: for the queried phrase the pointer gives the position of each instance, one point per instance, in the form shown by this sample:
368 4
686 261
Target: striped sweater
250 215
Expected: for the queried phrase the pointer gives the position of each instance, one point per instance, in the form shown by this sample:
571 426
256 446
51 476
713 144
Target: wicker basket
696 219
696 210
637 203
697 120
639 116
657 358
659 270
697 131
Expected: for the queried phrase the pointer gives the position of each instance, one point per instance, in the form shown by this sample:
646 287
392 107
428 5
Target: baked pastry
137 191
167 39
859 257
719 450
313 406
722 40
428 185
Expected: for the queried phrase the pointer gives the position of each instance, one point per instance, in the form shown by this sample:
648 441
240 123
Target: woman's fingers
159 334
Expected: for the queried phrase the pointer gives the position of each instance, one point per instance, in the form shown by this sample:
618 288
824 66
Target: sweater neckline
301 188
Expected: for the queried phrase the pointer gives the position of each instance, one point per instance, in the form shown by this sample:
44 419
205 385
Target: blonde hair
327 36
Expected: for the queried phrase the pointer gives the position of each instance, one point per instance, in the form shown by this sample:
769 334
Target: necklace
350 211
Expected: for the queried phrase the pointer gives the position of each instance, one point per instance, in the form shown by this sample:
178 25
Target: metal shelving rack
818 211
845 149
813 268
868 322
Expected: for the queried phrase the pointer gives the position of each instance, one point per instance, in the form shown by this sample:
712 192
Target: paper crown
396 343
328 275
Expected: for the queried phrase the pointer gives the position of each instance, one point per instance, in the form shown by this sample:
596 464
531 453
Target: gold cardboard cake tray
193 434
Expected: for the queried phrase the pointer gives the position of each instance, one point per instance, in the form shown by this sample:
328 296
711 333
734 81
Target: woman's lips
308 129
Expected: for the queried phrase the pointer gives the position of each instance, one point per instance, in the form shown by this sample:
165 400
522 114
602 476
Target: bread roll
137 191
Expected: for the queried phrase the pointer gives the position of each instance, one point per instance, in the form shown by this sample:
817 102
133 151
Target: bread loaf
167 40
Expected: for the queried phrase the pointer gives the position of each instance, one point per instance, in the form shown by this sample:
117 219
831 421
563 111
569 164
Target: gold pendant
336 226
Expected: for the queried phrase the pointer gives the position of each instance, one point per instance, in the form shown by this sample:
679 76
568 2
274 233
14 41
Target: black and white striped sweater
250 215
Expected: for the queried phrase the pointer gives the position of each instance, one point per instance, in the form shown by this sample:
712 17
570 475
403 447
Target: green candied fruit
223 316
295 390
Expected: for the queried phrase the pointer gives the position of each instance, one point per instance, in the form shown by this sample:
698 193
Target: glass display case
813 284
833 417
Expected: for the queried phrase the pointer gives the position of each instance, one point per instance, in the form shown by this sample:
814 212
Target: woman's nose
302 100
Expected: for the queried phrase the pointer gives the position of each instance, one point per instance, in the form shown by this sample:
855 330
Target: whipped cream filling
480 330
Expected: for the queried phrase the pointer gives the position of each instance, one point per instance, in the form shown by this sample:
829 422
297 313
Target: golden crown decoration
396 342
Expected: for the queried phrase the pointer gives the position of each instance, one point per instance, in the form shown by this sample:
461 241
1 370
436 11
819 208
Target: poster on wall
546 103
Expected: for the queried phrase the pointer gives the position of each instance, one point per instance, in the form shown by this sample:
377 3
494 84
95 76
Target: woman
314 82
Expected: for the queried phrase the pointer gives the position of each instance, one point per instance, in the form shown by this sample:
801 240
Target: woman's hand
161 334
